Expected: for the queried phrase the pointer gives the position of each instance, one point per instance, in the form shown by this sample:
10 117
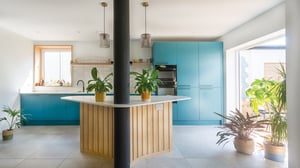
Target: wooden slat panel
101 129
105 122
166 127
144 130
150 128
139 132
96 129
155 131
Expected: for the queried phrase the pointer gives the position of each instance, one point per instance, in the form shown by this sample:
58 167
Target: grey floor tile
9 163
59 147
40 163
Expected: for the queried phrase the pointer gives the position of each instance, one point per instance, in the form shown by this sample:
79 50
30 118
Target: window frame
38 70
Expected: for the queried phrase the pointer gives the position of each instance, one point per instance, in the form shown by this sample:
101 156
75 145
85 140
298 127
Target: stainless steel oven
167 76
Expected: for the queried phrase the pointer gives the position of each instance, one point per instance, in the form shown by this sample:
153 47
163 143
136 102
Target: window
53 65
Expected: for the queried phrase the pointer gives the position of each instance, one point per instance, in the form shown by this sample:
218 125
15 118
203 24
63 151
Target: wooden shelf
107 64
90 63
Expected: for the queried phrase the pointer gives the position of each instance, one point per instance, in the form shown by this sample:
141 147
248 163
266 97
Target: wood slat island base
150 126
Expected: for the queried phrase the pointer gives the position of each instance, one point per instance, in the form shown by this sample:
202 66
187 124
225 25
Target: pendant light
146 37
104 37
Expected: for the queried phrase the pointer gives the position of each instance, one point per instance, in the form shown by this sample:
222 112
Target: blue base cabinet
199 76
49 109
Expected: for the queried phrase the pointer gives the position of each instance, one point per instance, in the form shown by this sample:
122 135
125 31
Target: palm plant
278 120
13 118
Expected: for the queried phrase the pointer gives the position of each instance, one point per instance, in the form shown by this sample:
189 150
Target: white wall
89 51
16 64
269 22
247 34
293 80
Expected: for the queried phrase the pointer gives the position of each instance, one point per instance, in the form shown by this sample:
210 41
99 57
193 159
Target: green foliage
146 81
261 93
13 118
97 84
240 126
278 118
272 96
278 124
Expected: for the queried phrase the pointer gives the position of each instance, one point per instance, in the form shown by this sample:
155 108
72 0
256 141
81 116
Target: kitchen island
150 125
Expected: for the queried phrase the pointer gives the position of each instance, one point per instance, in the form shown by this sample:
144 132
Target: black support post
121 84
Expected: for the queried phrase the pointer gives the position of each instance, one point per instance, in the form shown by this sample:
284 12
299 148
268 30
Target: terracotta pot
100 96
7 134
146 96
275 153
245 146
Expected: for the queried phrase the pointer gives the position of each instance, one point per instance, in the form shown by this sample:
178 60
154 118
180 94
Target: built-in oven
167 76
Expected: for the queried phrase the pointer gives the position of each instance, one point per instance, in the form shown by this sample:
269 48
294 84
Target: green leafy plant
97 84
13 117
261 94
146 81
239 126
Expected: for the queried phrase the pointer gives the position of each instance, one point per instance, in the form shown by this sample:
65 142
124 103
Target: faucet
82 84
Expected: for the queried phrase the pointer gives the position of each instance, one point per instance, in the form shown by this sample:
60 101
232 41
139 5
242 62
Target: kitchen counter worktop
134 100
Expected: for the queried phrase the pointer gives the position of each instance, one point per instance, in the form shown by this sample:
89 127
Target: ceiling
82 20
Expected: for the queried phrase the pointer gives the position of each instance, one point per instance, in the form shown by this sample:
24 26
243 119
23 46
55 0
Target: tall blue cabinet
199 76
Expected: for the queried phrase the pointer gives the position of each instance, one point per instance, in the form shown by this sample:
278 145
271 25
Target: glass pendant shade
146 40
104 40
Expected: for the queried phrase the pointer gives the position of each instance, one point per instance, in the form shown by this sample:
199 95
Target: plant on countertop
100 86
242 129
13 119
146 82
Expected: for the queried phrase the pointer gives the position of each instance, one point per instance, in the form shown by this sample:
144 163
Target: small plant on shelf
100 86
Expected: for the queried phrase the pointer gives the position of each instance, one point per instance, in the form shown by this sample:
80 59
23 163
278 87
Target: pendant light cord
104 19
145 19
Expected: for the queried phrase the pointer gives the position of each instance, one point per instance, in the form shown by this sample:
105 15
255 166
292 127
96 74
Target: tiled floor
58 147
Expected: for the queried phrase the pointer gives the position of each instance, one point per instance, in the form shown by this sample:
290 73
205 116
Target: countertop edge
134 100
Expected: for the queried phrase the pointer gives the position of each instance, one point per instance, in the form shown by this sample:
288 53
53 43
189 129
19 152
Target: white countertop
134 100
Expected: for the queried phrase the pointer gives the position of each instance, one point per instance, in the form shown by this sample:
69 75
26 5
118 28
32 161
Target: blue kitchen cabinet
211 63
188 110
164 53
49 109
210 102
199 76
187 64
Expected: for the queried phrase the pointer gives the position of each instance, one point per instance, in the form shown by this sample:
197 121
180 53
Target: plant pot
245 146
146 96
100 96
7 134
274 152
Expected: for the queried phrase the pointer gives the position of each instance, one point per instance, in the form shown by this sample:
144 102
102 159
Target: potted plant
242 129
100 86
13 119
146 82
275 146
260 94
